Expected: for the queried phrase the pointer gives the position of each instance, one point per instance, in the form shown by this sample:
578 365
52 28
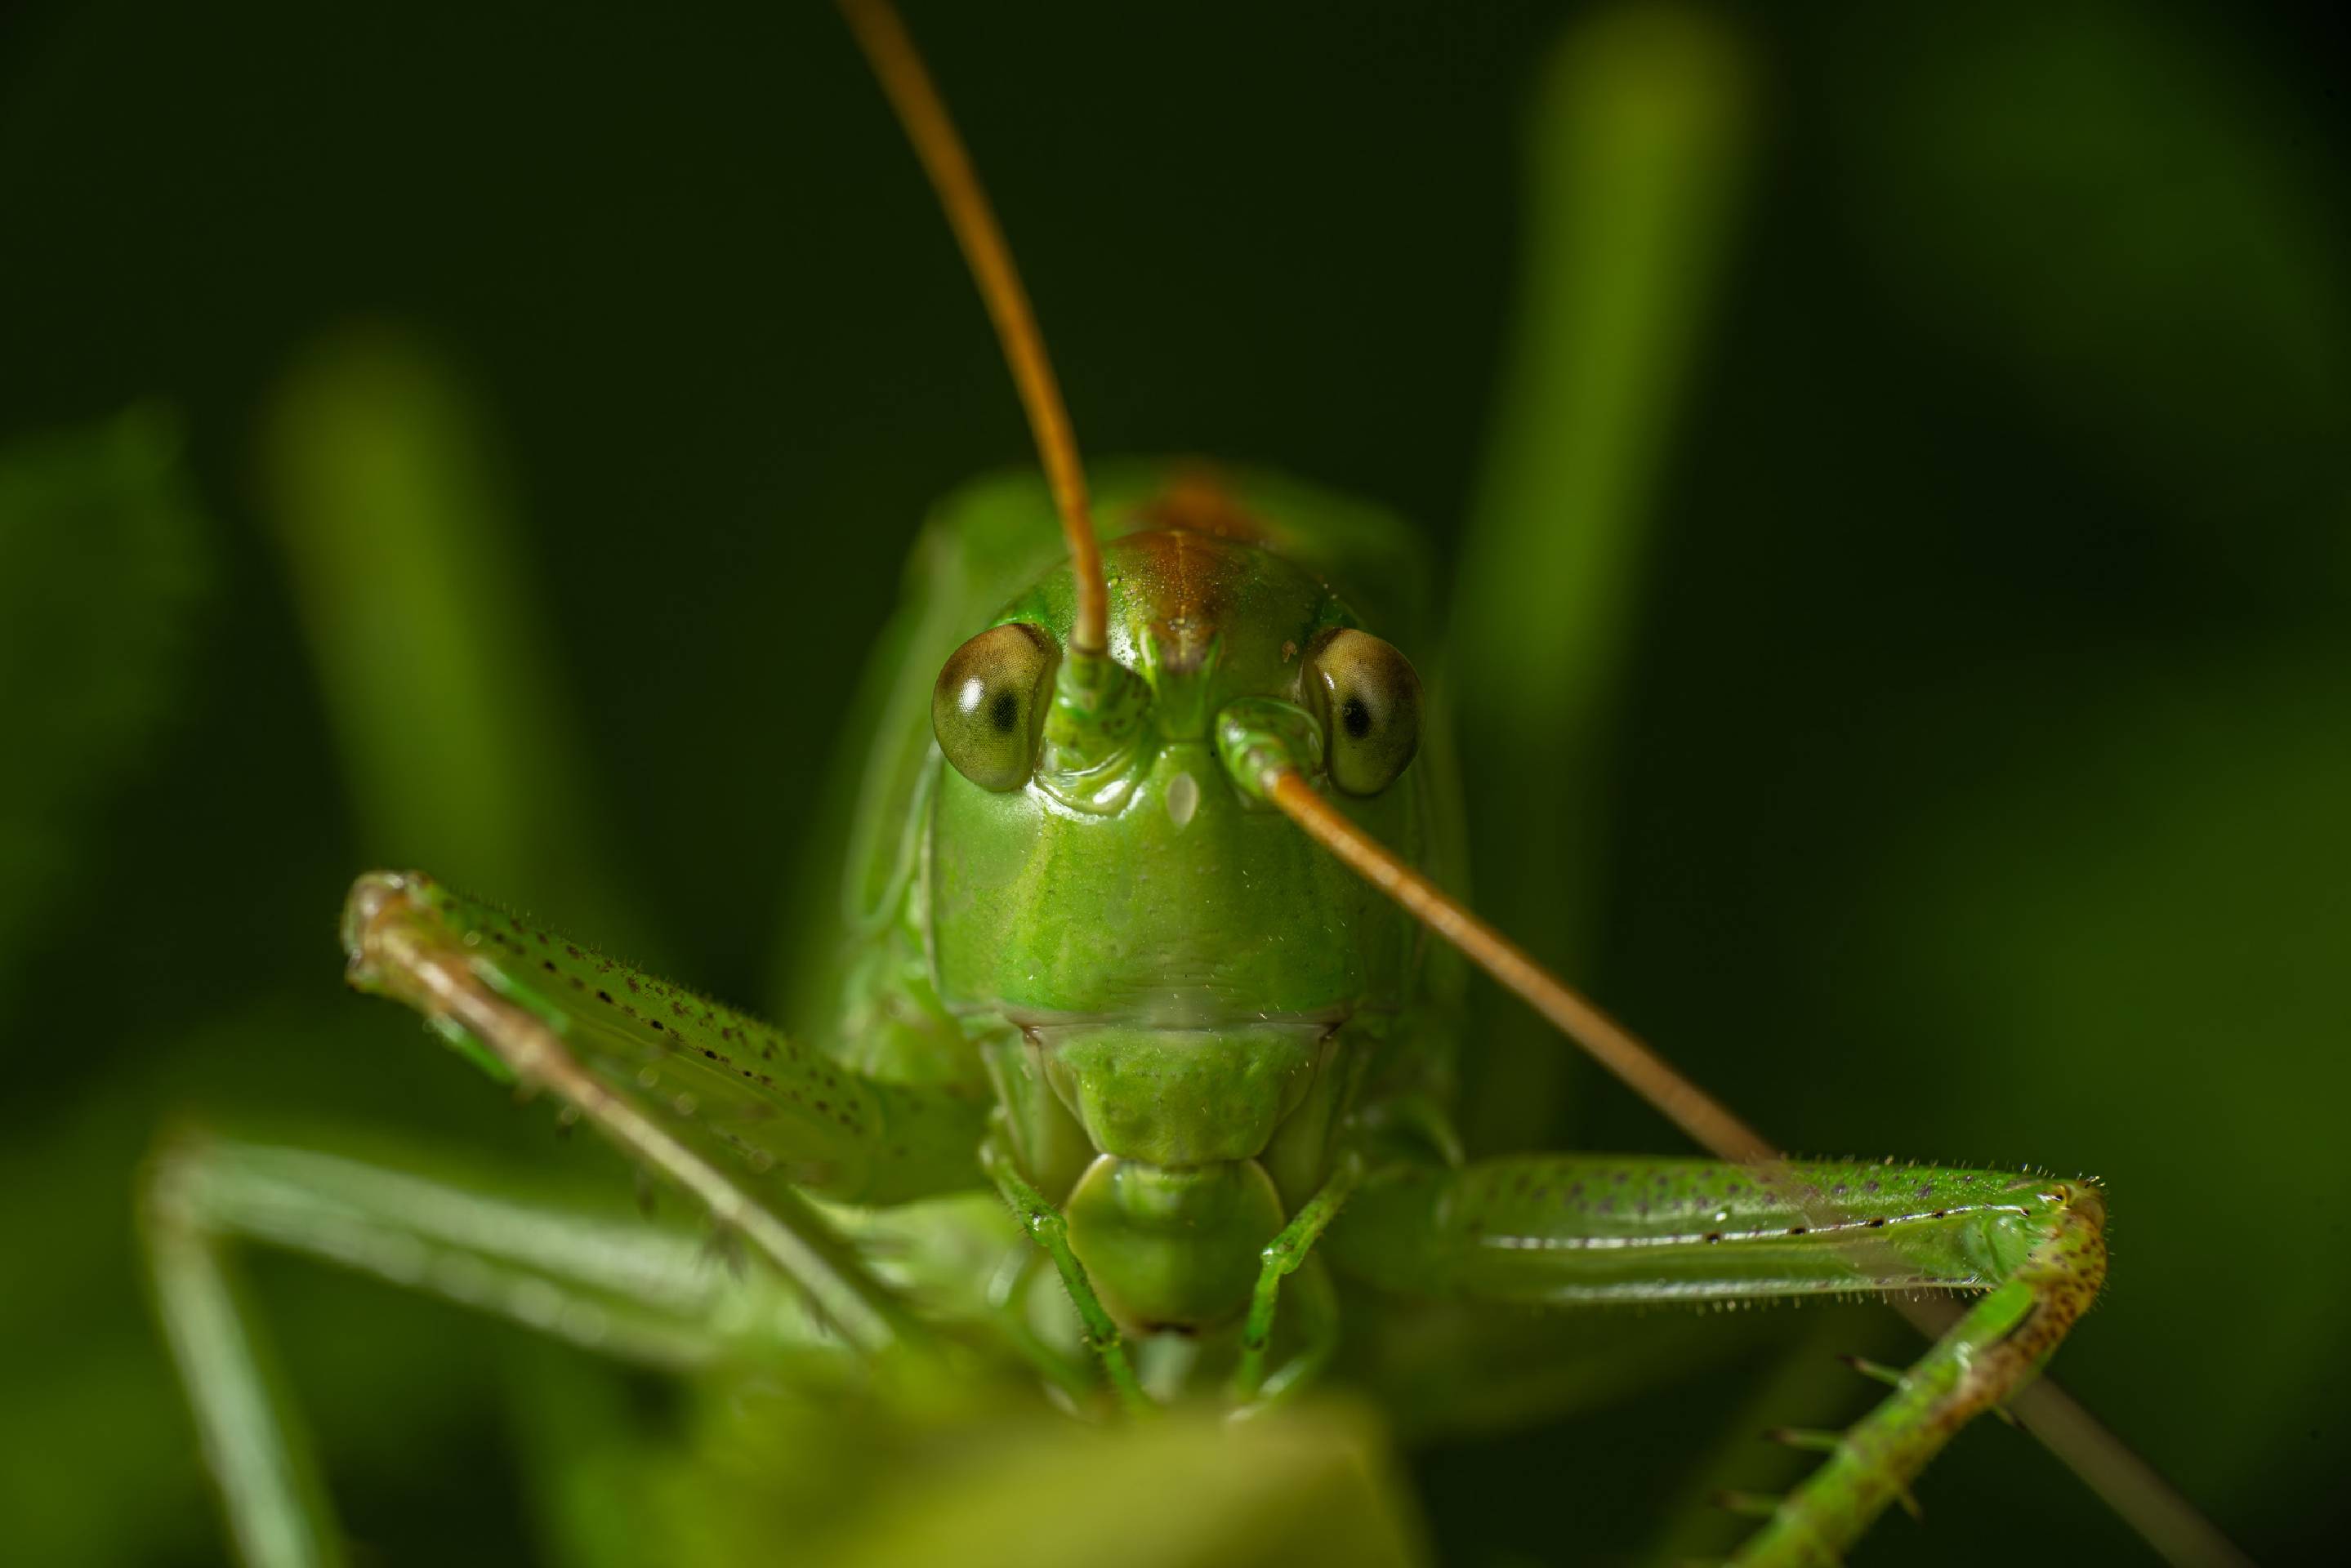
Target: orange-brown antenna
1648 1074
908 84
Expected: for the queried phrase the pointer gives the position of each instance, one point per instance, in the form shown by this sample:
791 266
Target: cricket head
1093 853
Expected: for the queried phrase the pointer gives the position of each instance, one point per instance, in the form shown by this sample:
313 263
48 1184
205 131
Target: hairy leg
697 1094
1051 1231
1283 1256
1569 1229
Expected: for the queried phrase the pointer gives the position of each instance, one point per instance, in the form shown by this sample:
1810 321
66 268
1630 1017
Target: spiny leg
695 1093
1007 1299
1051 1231
621 1287
711 1099
1266 762
1590 1229
1986 1357
1282 1257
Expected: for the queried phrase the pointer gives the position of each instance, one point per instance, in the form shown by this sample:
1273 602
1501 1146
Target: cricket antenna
1706 1121
907 83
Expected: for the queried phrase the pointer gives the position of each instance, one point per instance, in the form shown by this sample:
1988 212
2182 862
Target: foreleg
1583 1228
698 1094
1283 1256
1050 1230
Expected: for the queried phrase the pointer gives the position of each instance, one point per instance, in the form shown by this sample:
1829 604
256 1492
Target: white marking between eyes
1183 798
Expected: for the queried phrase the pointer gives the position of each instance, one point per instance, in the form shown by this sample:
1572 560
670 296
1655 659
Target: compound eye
990 702
1368 697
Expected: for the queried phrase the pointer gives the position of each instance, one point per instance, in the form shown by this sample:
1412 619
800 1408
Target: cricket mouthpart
1182 1096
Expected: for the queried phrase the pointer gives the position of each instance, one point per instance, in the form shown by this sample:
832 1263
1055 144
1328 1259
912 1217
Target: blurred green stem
1636 159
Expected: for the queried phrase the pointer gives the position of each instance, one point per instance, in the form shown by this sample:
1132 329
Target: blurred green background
1963 769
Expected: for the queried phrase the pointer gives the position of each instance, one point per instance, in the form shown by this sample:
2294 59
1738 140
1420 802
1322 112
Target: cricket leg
1316 1307
627 1288
1008 1301
697 1094
1282 1257
1051 1231
1573 1229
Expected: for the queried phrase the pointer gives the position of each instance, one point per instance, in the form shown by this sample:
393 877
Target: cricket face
1092 857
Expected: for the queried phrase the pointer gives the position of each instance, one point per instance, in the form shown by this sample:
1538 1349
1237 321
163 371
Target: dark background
1976 790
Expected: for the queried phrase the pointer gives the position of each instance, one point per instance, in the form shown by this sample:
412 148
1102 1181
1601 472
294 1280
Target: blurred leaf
457 739
103 566
1308 1483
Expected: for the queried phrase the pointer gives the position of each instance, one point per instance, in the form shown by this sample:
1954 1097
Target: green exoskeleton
1146 932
